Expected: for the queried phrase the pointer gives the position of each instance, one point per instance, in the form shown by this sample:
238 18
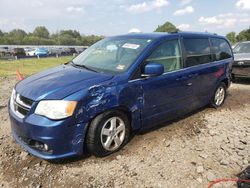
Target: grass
29 66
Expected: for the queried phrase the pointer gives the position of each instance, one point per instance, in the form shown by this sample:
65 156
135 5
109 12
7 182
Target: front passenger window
168 54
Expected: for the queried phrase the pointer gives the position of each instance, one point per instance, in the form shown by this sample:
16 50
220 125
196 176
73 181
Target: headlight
12 99
55 109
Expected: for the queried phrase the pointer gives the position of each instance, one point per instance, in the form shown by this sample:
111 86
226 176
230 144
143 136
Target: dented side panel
100 98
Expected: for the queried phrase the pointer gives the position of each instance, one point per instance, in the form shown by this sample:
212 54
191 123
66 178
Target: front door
168 95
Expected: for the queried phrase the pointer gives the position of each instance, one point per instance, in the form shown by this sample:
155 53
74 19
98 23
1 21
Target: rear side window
197 51
220 49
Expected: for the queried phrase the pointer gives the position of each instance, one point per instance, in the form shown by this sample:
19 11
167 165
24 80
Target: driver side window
168 54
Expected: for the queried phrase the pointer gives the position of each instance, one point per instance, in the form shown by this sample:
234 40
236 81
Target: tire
233 79
102 138
219 96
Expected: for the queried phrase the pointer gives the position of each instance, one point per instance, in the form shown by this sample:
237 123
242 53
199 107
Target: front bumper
241 71
62 138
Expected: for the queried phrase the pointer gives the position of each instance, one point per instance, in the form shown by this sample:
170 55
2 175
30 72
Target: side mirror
153 69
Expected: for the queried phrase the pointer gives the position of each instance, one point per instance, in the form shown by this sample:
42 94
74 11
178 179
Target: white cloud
36 4
74 9
186 10
185 2
10 24
225 20
209 20
184 26
245 20
243 4
147 6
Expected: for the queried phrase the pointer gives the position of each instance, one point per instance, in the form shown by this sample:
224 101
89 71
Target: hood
59 82
242 56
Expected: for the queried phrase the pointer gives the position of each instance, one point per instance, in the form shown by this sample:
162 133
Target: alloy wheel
113 133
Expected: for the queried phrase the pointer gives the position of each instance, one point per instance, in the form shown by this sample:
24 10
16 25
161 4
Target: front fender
101 98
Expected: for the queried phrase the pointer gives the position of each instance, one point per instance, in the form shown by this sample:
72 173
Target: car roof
158 35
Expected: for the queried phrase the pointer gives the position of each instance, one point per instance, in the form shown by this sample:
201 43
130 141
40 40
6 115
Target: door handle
189 84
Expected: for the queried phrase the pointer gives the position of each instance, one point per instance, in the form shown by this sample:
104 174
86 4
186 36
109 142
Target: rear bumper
243 72
62 139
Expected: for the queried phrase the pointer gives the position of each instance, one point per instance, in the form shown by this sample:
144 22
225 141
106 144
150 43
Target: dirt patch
189 152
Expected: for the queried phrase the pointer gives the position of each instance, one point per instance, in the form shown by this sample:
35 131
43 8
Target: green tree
72 33
31 40
41 32
17 33
67 37
16 36
167 27
244 35
91 39
1 33
41 36
232 37
66 40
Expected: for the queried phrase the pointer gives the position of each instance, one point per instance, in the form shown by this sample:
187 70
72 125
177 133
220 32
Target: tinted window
221 49
168 54
198 51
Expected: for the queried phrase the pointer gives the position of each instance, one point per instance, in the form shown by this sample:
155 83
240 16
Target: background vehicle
18 52
31 52
55 51
4 51
72 51
27 50
119 85
42 52
233 46
241 65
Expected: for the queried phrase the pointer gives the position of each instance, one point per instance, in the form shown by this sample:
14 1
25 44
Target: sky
113 17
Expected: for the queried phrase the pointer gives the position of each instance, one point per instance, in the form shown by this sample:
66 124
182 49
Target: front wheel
108 133
219 96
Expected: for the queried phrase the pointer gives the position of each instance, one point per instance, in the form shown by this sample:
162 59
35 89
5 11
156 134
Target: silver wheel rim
219 96
113 133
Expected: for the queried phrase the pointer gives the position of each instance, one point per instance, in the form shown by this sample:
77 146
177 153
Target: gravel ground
190 152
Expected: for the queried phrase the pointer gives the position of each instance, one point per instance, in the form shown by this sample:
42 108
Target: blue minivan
117 86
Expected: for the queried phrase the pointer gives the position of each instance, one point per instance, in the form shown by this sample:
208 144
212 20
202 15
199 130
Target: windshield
242 48
111 55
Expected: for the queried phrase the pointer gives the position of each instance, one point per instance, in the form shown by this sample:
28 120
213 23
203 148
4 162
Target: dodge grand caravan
119 85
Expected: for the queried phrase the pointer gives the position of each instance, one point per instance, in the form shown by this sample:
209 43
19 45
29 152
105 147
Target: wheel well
226 82
122 109
125 111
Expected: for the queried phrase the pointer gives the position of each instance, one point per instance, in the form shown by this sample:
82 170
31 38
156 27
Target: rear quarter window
197 51
220 49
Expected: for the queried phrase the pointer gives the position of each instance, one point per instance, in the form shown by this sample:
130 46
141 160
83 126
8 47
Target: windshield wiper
82 66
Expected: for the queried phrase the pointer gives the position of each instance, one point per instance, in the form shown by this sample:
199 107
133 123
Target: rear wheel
233 79
219 96
108 133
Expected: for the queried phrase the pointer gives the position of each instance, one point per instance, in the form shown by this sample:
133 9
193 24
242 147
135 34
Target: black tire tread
93 143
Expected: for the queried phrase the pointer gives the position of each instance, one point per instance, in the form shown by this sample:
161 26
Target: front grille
243 63
26 100
20 104
21 109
